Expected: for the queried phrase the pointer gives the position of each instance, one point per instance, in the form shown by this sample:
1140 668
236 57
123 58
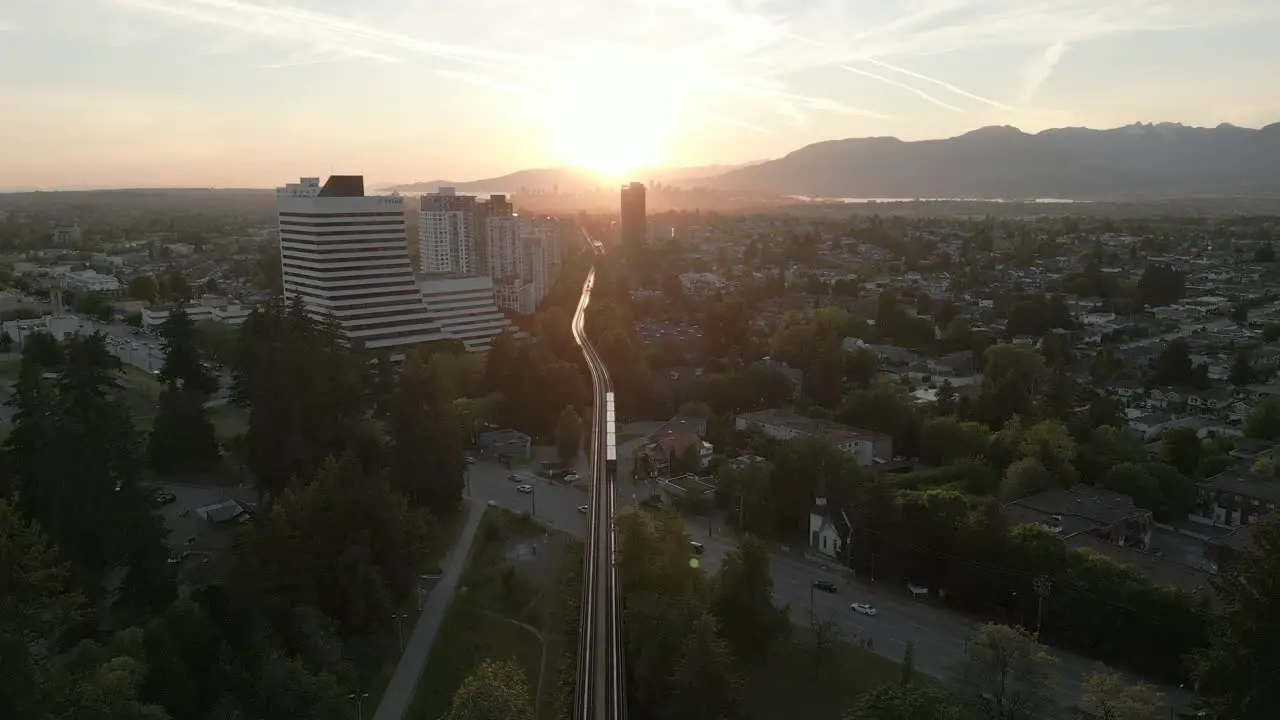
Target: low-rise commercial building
867 446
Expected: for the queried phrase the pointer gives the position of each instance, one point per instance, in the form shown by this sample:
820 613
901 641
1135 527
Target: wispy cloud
492 83
911 89
1041 69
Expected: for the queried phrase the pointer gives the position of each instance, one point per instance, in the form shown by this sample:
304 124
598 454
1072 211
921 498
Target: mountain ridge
1137 161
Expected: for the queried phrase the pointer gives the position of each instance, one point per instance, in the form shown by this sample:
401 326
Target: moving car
493 503
863 608
471 459
526 489
824 585
572 477
582 509
513 478
696 548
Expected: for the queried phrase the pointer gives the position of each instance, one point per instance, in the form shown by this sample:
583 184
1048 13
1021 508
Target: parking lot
552 502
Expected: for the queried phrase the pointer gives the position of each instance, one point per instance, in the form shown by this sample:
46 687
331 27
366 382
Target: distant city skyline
249 93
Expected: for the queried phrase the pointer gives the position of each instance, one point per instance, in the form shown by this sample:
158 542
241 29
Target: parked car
471 459
572 477
513 478
696 548
824 585
863 608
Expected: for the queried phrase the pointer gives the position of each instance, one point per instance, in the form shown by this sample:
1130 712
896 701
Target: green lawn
477 625
788 683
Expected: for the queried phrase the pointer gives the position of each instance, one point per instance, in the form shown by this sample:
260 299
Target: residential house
956 364
1222 553
867 446
1084 509
672 441
1148 426
1240 495
1212 402
1166 399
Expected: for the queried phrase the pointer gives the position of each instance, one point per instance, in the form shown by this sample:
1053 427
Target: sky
256 93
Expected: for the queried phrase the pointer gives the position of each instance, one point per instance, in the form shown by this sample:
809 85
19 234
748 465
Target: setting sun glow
607 118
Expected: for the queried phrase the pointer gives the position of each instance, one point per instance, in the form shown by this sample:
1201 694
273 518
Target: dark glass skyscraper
633 223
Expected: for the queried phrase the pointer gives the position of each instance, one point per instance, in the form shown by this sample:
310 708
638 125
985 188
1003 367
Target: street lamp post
359 698
533 499
466 477
400 618
810 603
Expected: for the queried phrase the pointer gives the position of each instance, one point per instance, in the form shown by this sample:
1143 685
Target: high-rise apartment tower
633 225
346 256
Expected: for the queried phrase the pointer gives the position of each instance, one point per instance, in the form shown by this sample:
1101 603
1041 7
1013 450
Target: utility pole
1042 586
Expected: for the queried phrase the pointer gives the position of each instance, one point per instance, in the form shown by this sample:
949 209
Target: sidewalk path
399 694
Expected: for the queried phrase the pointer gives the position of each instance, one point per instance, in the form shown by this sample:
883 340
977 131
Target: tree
704 684
426 447
1241 369
495 690
742 599
6 341
568 435
1108 697
904 702
79 466
144 287
182 437
303 386
216 341
183 368
1006 674
345 524
1263 422
1025 477
1181 448
39 605
1238 674
1239 314
1160 285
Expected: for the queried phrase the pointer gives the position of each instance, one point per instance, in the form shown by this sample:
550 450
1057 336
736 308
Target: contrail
301 25
904 86
940 83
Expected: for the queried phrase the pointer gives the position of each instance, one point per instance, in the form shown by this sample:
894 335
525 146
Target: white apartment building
506 256
516 296
867 446
216 309
90 281
447 227
464 306
346 256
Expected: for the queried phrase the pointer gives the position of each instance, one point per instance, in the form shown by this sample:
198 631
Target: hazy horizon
241 93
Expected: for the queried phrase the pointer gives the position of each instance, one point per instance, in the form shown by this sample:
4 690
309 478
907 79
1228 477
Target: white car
583 509
572 477
493 503
513 478
526 489
863 608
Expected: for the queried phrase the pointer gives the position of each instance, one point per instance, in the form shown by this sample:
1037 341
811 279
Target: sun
609 116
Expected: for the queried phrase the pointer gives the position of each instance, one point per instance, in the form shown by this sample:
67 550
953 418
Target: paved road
399 693
939 634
